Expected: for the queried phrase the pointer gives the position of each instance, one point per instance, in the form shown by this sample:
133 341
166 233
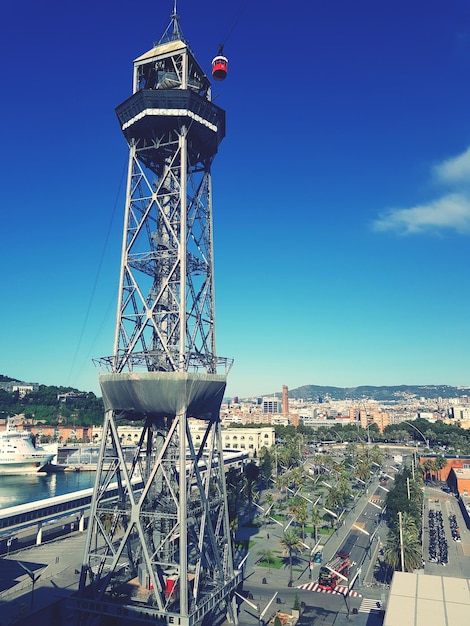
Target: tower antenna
173 31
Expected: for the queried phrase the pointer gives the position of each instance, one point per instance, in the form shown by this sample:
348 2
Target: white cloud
450 212
455 169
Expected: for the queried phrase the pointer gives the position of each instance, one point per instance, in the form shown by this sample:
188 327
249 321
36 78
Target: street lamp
257 607
426 441
332 430
34 578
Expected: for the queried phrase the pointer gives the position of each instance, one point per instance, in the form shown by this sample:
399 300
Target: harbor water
21 488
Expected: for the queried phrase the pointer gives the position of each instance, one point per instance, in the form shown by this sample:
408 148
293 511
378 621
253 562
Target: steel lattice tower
158 548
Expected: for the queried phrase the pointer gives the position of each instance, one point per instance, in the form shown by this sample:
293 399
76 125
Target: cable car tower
158 545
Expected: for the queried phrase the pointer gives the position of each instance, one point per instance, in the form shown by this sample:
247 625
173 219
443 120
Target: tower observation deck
162 551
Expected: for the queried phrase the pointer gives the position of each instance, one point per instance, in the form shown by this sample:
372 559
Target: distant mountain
382 393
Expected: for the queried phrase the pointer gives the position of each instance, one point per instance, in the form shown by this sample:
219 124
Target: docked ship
19 454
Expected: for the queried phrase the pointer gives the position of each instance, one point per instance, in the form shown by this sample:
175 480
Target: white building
272 405
250 440
461 413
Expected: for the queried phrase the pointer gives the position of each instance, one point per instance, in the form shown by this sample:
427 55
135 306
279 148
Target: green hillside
52 405
382 393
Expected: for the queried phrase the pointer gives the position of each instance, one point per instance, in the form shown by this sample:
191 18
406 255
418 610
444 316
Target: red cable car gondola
220 66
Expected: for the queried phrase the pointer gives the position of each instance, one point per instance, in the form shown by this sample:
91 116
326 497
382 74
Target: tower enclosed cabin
219 67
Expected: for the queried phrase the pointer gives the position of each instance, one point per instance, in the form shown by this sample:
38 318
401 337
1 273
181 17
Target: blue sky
341 190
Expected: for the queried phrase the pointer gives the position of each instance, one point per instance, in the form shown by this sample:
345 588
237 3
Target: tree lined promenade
305 497
403 550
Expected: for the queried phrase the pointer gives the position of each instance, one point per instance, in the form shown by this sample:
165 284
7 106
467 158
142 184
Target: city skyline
341 189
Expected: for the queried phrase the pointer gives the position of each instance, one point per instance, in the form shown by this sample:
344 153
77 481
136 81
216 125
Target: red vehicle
334 571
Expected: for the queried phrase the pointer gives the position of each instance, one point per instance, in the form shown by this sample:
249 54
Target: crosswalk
370 606
339 589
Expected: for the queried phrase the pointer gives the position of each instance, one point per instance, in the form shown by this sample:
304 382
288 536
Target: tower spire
173 31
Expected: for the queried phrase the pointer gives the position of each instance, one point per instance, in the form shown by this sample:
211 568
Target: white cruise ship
18 455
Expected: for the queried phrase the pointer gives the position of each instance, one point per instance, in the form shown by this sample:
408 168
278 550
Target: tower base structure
158 545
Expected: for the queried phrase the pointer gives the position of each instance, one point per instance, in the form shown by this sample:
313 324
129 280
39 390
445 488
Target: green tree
408 524
397 499
234 484
344 487
362 469
251 493
267 556
291 542
351 452
316 520
334 498
428 468
439 463
411 551
299 510
376 455
269 498
266 464
281 482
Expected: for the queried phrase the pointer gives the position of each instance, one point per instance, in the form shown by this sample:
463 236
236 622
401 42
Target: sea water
21 488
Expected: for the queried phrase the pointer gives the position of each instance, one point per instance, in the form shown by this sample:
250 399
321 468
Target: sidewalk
54 567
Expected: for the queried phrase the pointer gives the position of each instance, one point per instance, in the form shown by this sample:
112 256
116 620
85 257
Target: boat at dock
20 455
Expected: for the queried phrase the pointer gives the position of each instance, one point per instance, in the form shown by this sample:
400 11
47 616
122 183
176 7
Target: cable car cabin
219 67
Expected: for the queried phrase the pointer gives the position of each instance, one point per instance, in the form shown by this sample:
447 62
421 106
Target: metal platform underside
163 394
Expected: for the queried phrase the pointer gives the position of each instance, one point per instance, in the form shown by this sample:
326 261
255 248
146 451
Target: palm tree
316 520
430 435
344 487
111 521
291 542
234 483
351 451
411 551
281 482
376 455
334 498
301 516
250 490
297 476
269 498
392 550
317 463
362 469
408 524
266 555
428 467
439 463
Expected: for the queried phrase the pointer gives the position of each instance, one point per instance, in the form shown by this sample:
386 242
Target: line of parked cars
438 547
